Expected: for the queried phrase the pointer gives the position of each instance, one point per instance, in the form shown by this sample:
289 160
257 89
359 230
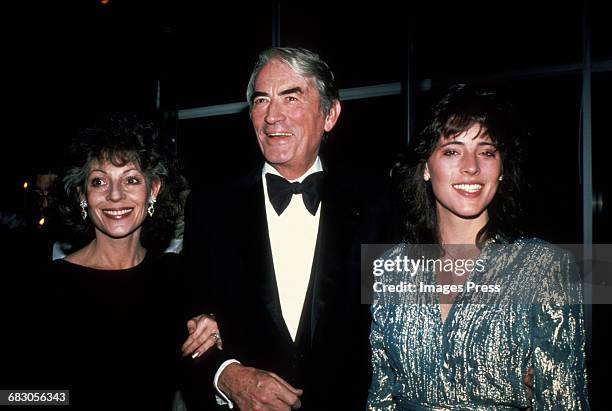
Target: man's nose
275 113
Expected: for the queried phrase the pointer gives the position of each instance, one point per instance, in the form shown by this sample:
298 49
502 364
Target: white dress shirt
293 238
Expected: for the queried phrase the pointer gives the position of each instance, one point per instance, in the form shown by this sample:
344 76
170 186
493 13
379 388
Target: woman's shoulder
532 241
540 248
166 259
536 254
74 266
552 269
392 251
60 277
63 266
168 267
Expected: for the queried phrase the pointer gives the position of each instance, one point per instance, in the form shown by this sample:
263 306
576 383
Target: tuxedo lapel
337 234
258 255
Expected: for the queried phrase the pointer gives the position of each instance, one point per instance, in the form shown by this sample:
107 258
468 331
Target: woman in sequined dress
460 348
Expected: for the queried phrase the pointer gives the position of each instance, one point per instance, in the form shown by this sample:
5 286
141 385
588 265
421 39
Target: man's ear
332 117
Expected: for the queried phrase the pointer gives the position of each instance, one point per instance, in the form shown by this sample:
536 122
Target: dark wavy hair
462 107
121 139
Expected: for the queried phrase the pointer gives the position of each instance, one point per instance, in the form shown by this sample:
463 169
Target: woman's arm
383 378
559 347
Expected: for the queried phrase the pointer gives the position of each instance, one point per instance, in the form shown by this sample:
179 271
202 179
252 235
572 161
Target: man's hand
253 389
203 334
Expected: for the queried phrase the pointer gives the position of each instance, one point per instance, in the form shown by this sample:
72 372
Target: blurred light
25 185
104 2
41 221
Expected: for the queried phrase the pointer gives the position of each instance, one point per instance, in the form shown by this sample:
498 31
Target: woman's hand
203 335
528 381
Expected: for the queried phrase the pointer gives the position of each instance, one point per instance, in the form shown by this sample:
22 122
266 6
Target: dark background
65 62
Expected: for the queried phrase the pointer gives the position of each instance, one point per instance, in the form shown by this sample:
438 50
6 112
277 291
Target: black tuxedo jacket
229 258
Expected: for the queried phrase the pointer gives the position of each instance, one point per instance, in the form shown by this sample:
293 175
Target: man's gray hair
305 63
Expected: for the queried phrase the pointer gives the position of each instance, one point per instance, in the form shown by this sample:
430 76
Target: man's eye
291 98
450 152
489 153
259 101
133 180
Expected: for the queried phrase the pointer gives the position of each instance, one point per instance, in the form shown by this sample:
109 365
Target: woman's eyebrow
461 143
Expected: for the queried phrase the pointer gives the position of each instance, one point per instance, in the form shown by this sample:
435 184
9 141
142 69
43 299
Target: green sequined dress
477 358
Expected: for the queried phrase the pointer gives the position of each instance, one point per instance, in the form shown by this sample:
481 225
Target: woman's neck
456 230
110 253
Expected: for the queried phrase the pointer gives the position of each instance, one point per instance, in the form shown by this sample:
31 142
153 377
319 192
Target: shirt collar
316 166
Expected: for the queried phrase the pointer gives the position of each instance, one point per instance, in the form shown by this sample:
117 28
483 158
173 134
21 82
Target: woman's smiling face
464 171
117 198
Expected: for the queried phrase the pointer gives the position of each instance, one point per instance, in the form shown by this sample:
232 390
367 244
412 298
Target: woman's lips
468 190
117 214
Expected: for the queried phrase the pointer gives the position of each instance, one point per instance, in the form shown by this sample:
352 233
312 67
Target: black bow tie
280 191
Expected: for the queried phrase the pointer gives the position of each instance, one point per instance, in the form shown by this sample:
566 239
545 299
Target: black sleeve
196 286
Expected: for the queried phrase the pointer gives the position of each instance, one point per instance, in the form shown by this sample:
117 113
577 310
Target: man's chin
276 158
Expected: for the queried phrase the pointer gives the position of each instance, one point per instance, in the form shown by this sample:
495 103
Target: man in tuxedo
280 254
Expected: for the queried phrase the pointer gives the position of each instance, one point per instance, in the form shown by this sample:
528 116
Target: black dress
113 337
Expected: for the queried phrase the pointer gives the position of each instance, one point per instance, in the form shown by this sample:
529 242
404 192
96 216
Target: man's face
288 118
43 185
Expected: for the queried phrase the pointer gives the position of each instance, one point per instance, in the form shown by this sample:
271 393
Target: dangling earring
83 205
501 177
426 177
151 209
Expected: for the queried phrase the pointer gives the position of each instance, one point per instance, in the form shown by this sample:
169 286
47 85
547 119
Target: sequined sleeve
380 396
559 348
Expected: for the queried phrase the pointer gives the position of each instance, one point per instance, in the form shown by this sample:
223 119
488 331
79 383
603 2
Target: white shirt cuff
222 398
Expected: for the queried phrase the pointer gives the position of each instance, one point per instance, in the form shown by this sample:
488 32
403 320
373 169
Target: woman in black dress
115 323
